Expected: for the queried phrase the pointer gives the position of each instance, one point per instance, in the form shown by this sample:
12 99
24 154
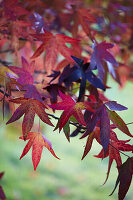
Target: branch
5 63
72 123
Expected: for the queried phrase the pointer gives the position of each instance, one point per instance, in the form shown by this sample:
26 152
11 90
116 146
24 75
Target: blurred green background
65 179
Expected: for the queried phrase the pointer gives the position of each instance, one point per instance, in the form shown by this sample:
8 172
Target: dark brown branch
5 63
72 123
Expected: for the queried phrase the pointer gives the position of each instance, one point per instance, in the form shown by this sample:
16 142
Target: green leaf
66 130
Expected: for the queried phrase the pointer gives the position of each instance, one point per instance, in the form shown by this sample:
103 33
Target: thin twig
72 123
120 151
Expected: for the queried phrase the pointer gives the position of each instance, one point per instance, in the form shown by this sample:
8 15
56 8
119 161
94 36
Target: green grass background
65 179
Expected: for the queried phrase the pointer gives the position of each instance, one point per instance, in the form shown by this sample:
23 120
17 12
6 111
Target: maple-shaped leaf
70 108
54 75
53 90
113 152
25 73
38 22
29 107
124 178
82 71
2 194
80 17
118 122
53 44
37 141
100 53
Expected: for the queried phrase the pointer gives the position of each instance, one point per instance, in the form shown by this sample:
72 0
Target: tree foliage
57 55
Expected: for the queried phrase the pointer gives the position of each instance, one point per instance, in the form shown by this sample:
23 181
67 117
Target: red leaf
2 194
124 178
95 134
37 141
30 107
53 44
113 152
70 108
88 144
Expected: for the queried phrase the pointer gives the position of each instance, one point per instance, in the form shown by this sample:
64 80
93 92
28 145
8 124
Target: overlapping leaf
70 108
124 178
118 122
80 16
77 72
37 141
29 107
114 154
100 53
53 44
25 73
100 115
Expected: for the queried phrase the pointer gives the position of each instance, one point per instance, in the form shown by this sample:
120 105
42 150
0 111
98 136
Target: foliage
88 37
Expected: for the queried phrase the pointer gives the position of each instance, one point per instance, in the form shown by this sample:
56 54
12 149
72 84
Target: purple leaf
99 54
104 129
91 123
38 23
31 92
113 105
79 61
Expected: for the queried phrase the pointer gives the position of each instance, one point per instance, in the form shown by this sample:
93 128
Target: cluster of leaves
33 34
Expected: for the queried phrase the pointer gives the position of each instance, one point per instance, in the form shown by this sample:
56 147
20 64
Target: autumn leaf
113 105
113 152
118 122
100 53
32 92
88 144
70 108
101 116
25 73
80 17
53 44
66 128
37 141
29 107
93 135
85 73
79 72
104 129
2 194
14 9
124 178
